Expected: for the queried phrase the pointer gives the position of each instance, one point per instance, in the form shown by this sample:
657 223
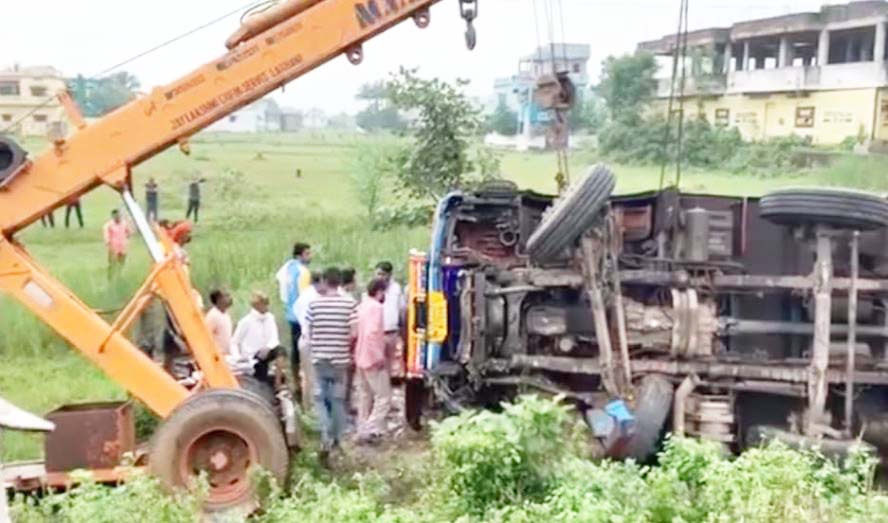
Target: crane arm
258 63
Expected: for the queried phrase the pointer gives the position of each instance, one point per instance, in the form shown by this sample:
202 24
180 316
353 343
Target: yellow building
28 101
822 75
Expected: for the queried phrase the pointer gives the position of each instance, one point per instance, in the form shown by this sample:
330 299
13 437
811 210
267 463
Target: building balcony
854 75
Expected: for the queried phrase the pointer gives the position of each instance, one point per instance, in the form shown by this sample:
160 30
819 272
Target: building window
722 117
576 68
38 90
804 117
9 88
232 118
40 118
7 117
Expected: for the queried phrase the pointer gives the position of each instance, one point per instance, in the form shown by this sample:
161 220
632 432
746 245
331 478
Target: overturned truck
729 318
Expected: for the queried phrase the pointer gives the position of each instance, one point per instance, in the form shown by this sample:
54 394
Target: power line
143 54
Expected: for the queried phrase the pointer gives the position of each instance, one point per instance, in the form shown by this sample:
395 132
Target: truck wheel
572 214
652 405
839 208
222 434
260 388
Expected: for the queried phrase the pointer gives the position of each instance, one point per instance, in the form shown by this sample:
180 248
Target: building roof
790 23
562 50
40 71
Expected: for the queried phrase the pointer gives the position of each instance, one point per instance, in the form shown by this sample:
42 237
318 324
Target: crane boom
105 151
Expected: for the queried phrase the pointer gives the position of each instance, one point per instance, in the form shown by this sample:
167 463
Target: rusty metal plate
89 436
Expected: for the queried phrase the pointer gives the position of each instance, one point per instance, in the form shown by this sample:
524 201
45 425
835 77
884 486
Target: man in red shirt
374 386
117 234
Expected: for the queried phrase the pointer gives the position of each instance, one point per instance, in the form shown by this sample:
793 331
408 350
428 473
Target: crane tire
223 434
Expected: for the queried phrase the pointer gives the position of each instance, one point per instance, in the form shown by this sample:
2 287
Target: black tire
652 406
193 435
758 435
260 388
837 208
572 214
11 157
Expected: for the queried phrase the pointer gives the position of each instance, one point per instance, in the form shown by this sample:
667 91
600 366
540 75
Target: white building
28 102
262 116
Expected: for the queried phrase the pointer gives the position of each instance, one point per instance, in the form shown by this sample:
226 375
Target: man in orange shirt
117 234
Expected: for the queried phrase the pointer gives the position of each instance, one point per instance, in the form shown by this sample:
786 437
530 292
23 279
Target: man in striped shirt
330 327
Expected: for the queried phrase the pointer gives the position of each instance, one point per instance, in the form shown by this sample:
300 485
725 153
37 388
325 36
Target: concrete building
262 116
27 99
821 75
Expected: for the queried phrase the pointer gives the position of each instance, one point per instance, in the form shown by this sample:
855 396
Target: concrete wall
836 114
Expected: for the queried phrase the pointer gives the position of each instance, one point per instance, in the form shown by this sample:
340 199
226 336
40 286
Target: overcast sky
87 36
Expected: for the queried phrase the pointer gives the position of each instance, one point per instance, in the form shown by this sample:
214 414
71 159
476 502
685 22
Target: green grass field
246 229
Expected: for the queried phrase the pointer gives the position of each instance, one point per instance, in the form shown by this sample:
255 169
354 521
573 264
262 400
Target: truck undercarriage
742 317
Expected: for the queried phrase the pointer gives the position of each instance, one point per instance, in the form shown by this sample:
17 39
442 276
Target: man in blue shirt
294 277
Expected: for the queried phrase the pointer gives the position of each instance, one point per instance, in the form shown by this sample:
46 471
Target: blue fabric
294 269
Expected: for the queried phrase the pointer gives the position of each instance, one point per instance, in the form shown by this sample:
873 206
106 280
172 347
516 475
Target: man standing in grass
151 202
293 278
194 198
374 382
117 234
330 326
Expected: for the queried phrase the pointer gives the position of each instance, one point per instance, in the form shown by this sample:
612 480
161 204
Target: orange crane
215 429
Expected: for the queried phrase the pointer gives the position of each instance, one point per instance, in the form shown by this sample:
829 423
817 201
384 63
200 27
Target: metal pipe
852 333
733 327
590 254
145 230
678 407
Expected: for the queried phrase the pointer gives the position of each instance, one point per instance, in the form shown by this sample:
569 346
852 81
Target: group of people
341 338
152 199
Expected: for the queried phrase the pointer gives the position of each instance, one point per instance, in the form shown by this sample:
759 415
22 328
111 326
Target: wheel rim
225 456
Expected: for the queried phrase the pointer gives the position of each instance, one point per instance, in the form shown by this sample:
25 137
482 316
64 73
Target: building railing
854 75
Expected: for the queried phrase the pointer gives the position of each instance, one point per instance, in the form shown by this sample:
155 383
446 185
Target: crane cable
679 54
249 7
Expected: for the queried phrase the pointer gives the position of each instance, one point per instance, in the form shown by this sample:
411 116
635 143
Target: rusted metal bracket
817 383
590 252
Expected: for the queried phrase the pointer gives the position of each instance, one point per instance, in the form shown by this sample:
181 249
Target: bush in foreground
523 465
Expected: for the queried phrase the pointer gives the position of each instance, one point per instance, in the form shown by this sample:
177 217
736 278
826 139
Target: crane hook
468 10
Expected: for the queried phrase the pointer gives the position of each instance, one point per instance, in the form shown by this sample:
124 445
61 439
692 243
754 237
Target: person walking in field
394 304
256 340
117 234
374 382
151 202
194 199
330 326
78 212
219 321
293 278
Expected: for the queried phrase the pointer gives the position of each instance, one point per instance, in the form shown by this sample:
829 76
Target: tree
99 96
589 113
379 113
627 84
503 120
441 156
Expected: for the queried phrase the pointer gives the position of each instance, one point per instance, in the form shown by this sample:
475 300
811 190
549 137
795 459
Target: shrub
489 459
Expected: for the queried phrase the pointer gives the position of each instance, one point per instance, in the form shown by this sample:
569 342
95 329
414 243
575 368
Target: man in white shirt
393 305
256 337
219 321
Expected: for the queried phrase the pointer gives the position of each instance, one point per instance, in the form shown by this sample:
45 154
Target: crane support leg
73 320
